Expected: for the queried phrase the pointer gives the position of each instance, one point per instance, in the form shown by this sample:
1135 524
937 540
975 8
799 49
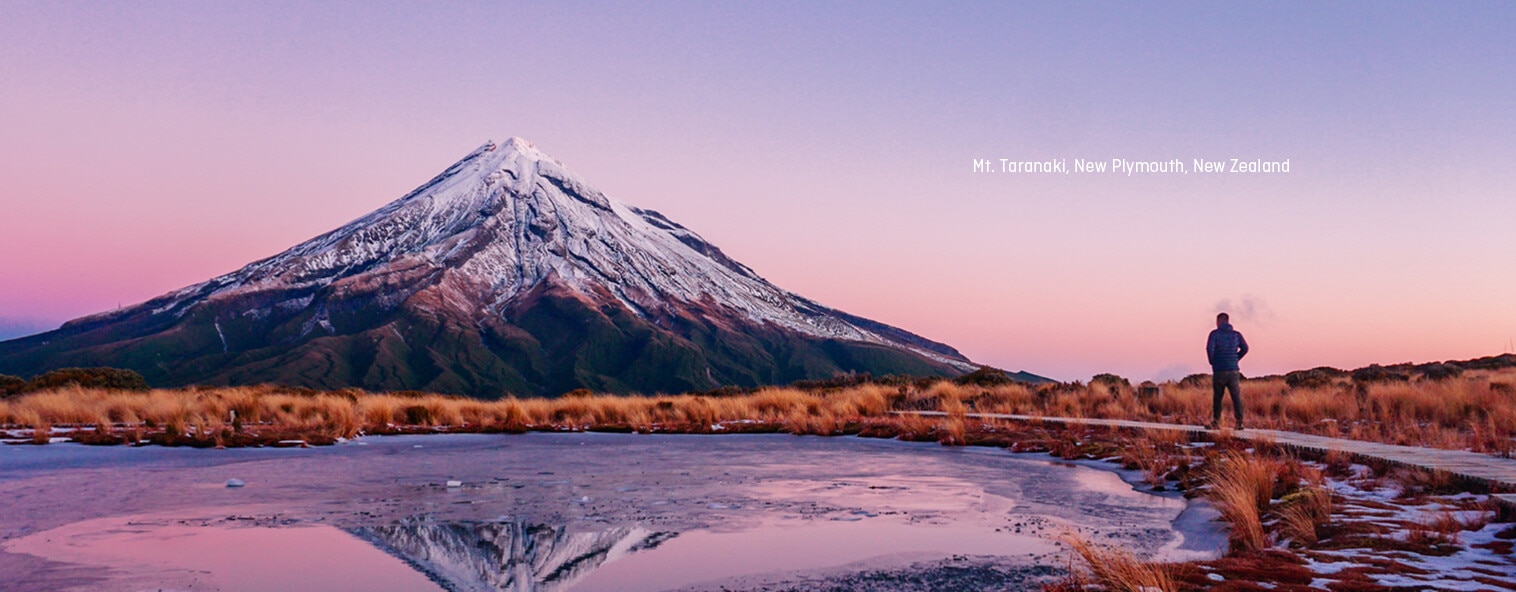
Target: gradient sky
148 146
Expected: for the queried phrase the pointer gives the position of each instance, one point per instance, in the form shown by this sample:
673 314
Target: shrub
985 376
101 378
836 382
11 385
729 391
1196 381
1317 377
1377 373
1111 380
418 415
299 391
1439 371
1490 362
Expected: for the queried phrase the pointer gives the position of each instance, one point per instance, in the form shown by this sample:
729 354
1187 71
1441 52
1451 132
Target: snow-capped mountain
506 273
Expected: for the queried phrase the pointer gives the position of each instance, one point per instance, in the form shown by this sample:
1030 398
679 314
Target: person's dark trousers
1222 381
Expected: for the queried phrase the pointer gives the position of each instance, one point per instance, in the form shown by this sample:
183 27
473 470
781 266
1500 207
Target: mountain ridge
505 273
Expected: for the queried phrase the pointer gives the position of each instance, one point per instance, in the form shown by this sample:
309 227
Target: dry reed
1117 570
1303 513
1241 486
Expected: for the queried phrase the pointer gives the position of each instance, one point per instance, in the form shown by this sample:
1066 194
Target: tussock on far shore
1474 411
233 415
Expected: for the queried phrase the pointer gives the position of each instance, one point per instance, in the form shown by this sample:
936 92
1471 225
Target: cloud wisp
1248 309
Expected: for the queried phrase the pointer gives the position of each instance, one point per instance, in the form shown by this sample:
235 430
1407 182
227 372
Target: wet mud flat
573 511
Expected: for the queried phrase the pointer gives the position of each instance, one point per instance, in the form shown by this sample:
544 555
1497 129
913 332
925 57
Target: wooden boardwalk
1499 472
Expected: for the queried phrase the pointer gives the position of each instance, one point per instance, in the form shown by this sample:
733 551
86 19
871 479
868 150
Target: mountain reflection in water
507 555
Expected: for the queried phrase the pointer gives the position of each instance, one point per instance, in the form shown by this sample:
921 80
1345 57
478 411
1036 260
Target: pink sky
151 146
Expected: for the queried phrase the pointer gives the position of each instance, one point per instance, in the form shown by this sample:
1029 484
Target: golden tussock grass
1241 486
209 411
1118 570
1303 513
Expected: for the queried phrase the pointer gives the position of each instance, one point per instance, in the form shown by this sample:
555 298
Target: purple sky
148 146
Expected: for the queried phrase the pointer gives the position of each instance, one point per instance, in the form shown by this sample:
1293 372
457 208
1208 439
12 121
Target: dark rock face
504 275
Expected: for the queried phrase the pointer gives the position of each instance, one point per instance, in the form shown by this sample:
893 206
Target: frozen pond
570 512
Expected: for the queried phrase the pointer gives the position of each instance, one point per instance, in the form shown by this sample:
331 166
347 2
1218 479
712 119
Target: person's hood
1225 327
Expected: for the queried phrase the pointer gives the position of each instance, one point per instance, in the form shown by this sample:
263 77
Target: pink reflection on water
140 551
705 555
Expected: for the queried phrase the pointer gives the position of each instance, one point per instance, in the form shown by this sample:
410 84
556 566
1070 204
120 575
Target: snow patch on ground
1367 500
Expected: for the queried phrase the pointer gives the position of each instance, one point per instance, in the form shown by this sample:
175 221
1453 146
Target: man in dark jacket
1224 348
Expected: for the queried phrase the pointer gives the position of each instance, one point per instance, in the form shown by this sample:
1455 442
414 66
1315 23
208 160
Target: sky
830 146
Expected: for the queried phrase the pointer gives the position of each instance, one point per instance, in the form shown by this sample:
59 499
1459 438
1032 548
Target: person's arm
1242 346
1210 349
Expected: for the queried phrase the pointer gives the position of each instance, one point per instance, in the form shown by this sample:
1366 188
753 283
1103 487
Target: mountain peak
518 145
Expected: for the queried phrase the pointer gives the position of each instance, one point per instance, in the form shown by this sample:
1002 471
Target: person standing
1224 348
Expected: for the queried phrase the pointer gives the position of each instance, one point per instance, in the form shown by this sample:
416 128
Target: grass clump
1118 570
1241 486
1304 513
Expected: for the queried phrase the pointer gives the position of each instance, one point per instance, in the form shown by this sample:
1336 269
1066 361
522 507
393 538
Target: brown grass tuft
1302 514
1241 486
1117 570
42 432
